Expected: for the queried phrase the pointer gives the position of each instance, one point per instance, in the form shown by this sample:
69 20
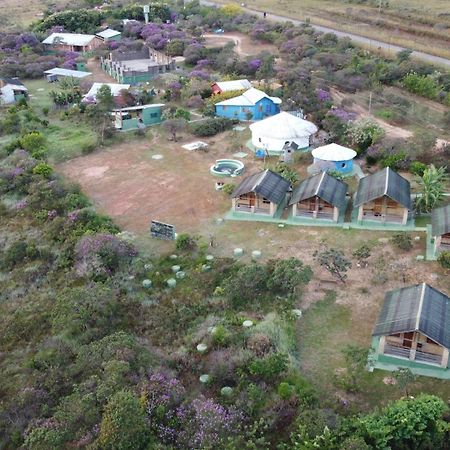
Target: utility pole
146 11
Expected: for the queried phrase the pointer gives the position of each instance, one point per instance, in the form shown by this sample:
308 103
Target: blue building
334 157
251 105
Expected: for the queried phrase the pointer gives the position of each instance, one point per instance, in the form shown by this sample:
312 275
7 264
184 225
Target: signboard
146 9
161 230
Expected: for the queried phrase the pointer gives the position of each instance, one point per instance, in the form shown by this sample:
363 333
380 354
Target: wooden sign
161 230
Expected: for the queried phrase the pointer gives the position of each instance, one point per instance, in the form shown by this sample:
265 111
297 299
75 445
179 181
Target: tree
123 425
444 259
404 378
431 188
365 133
174 126
287 274
100 112
355 360
362 253
335 262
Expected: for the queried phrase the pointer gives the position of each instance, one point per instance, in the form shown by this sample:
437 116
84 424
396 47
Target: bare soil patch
98 75
243 44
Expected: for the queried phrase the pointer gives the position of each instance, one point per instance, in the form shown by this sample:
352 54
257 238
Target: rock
180 274
297 312
226 391
171 282
256 254
147 284
173 256
175 269
209 257
420 258
247 323
201 348
237 252
206 268
204 378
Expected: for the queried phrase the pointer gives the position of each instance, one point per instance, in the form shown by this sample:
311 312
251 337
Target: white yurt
273 133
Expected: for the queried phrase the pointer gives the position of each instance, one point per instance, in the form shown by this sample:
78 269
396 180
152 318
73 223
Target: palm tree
431 188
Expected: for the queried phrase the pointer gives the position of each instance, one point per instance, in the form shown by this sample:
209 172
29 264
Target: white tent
90 97
333 152
272 133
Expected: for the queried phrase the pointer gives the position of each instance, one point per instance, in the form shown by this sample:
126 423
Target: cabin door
251 199
407 339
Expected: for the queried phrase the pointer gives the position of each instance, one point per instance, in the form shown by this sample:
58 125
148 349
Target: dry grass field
412 24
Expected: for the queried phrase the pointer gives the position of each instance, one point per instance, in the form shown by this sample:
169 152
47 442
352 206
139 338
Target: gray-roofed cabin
319 197
440 228
260 193
384 196
414 326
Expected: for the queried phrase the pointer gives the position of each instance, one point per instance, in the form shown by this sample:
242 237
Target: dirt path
99 76
243 44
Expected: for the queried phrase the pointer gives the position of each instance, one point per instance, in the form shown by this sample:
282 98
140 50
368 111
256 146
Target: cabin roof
416 308
325 186
67 72
440 221
108 33
249 98
385 182
69 39
267 183
13 82
333 152
233 85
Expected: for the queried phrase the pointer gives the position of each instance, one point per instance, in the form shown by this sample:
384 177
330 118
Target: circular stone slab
226 391
238 252
247 323
157 156
256 254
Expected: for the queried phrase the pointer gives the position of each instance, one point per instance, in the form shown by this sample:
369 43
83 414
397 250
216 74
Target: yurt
273 133
334 157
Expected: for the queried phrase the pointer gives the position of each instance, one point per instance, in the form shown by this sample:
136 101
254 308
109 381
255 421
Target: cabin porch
315 208
253 203
383 210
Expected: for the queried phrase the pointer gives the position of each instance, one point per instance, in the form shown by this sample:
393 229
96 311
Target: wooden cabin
384 196
440 228
319 197
72 42
414 326
260 193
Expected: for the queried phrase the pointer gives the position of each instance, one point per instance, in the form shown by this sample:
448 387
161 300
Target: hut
251 105
260 193
11 90
319 197
109 35
440 228
116 90
334 157
229 86
384 196
413 328
72 42
273 133
137 117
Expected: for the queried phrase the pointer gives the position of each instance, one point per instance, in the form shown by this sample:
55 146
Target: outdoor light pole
146 9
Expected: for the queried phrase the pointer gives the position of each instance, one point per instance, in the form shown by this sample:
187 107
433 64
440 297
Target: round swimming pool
227 168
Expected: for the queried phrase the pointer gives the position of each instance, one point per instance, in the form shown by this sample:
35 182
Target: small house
11 91
319 197
260 193
413 329
251 105
137 117
273 133
72 42
109 35
384 196
334 157
229 86
116 90
440 228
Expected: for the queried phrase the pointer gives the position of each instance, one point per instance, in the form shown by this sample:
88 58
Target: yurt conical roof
333 152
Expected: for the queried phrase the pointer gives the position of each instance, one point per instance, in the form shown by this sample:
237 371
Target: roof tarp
67 73
69 39
385 182
440 221
268 184
324 186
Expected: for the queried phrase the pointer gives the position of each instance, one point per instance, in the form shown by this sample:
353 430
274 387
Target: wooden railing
428 357
400 352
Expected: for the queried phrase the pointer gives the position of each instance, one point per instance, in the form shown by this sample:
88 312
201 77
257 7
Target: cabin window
407 339
266 201
154 115
260 108
430 341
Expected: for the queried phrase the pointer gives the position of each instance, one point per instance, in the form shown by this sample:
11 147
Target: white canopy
67 72
284 126
115 90
271 134
333 152
69 39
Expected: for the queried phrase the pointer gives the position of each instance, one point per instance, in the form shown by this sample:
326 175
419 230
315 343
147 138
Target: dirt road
371 43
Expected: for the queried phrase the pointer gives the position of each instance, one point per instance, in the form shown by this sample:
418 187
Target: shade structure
334 157
271 134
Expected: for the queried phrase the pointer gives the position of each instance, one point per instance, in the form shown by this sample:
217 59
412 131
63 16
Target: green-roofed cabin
384 196
137 117
440 228
321 196
260 193
413 329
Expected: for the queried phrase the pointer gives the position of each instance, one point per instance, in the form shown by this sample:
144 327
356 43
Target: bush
287 274
444 259
270 366
15 254
228 188
402 241
32 141
394 160
185 242
211 127
417 168
43 169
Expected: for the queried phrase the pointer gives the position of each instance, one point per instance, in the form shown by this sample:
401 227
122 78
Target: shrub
211 127
15 254
394 160
286 172
32 141
421 85
269 366
43 169
287 274
228 188
402 241
417 168
444 259
185 242
365 133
